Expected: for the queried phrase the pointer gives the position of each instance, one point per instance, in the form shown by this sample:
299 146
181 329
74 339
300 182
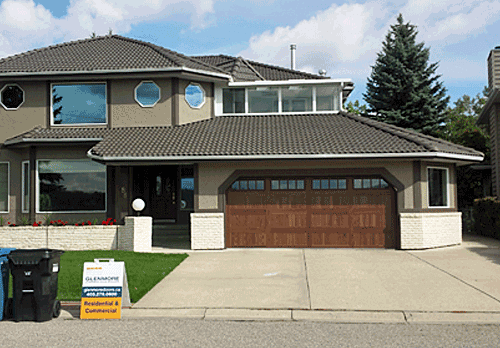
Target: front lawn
144 271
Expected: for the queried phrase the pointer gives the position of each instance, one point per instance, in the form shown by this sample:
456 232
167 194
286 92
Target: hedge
486 214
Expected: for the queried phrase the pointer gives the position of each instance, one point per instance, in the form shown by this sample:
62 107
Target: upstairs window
147 94
262 99
327 98
11 97
234 101
79 104
296 98
194 95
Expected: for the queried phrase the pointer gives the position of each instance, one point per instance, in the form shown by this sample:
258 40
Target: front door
158 187
162 191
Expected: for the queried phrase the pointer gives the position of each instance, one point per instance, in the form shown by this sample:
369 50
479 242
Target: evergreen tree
403 88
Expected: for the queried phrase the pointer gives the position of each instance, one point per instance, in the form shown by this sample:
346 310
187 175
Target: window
244 185
233 100
438 187
4 187
187 189
11 97
71 186
262 99
194 95
296 98
327 98
282 184
25 201
147 94
83 103
367 183
329 184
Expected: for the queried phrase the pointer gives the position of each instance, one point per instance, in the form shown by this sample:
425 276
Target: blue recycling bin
4 279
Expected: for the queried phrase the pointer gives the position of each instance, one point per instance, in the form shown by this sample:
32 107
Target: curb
72 311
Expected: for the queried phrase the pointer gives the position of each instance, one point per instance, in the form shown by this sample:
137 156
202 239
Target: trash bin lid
32 256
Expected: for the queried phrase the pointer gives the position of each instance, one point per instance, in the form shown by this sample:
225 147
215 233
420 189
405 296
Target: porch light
138 205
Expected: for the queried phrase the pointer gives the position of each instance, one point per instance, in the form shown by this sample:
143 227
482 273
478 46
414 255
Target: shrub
487 217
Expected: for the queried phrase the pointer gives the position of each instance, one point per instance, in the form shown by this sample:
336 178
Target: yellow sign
103 285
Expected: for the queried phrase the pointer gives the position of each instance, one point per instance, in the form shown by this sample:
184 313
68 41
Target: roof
493 98
266 71
305 136
110 53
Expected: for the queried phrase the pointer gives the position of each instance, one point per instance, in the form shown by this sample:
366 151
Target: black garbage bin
35 274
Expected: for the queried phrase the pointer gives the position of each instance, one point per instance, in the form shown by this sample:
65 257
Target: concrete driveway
459 278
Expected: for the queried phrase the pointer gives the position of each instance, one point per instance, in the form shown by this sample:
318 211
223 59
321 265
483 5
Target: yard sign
104 287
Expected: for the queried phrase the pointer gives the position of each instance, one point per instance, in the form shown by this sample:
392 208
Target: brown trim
196 188
428 210
212 96
49 96
455 185
417 184
32 196
111 192
208 211
178 194
108 102
175 101
130 188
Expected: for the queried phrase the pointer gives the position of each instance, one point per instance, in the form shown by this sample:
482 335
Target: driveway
459 278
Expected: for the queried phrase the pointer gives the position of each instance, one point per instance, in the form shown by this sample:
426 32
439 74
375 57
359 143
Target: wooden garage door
352 212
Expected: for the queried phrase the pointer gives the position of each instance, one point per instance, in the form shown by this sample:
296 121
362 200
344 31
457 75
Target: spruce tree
403 88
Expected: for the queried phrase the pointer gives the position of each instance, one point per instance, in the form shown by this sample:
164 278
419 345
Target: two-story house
242 154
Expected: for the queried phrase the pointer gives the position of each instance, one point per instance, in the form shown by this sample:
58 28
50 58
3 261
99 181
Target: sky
342 37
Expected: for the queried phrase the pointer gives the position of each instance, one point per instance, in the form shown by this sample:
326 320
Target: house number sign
104 289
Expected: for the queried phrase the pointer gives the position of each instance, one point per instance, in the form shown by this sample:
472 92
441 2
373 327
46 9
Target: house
234 152
489 117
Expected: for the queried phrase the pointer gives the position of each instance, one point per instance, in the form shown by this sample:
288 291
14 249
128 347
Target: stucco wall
125 111
212 175
188 114
32 113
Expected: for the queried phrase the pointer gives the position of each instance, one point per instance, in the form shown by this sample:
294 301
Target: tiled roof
268 72
277 135
103 53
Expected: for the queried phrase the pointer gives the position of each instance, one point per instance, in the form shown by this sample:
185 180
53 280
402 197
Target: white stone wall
62 237
207 231
137 234
430 230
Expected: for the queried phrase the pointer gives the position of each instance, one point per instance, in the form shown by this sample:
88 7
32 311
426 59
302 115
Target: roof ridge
48 48
406 134
252 68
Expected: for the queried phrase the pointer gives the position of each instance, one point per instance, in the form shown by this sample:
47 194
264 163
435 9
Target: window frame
447 184
280 179
204 95
23 185
329 183
5 106
52 124
135 93
8 187
248 189
37 189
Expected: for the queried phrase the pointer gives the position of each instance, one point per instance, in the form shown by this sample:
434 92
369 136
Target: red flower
8 222
59 221
76 224
104 223
114 220
35 224
89 223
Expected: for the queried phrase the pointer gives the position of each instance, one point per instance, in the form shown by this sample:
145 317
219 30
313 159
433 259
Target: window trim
135 93
8 187
204 95
447 171
248 189
23 177
37 190
330 178
52 124
8 85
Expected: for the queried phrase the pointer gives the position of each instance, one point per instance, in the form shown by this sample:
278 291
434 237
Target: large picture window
262 99
4 187
296 98
83 103
71 186
438 187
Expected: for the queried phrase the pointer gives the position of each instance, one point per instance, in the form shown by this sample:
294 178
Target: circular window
147 94
195 95
12 97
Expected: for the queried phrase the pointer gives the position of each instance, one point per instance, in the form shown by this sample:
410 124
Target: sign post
104 289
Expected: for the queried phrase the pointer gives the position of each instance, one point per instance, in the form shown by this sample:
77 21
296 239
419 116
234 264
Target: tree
403 88
461 128
356 108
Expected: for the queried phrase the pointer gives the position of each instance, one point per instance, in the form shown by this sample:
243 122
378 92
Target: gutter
58 140
95 72
283 157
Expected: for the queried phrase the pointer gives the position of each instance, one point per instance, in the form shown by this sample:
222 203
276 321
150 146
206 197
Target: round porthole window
11 97
147 94
195 95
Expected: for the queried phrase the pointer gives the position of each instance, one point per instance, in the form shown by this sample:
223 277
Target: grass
144 271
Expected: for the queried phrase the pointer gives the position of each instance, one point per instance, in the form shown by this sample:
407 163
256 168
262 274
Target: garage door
331 212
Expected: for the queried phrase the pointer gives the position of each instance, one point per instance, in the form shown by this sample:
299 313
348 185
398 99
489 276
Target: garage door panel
283 238
330 239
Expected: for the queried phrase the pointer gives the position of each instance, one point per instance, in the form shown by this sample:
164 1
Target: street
162 332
